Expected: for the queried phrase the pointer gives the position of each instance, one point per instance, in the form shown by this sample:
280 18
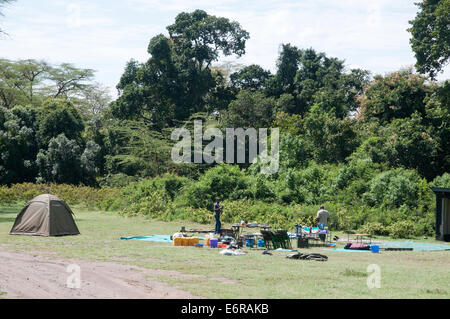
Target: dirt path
26 276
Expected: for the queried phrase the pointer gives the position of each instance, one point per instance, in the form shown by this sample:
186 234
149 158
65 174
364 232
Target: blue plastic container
375 249
261 243
249 243
213 242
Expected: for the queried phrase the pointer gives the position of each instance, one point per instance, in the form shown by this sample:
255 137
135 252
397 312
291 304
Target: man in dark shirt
217 211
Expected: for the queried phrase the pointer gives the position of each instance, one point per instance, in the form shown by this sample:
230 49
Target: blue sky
104 35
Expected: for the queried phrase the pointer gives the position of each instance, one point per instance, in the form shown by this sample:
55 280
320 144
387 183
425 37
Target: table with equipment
308 238
242 232
361 237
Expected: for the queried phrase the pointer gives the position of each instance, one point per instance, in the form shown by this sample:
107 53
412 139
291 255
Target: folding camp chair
267 236
282 239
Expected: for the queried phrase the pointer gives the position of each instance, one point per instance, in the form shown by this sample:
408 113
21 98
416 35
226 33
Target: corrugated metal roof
440 190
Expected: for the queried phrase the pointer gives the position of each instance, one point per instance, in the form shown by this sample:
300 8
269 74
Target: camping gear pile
316 257
229 245
210 240
308 235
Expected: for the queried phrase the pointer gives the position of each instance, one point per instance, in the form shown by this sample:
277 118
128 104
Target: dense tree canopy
177 80
396 95
252 77
18 145
313 78
368 147
31 82
430 39
249 109
344 135
56 117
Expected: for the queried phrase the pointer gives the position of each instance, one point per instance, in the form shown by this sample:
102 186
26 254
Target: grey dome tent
45 215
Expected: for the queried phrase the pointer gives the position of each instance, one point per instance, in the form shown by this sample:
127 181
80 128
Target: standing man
322 218
217 211
322 221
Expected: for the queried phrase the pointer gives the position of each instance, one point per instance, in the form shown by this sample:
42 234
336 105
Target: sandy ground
34 277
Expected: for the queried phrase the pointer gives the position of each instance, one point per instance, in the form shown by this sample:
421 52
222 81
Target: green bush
352 180
73 195
117 180
312 185
395 202
374 228
442 181
137 194
155 205
402 229
223 181
395 188
263 190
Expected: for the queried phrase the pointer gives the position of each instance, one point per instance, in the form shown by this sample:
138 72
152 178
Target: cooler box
213 242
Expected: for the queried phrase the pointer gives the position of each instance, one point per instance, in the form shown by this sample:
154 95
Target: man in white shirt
322 217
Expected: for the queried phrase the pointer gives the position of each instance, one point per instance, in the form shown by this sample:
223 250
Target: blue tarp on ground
347 250
152 238
416 246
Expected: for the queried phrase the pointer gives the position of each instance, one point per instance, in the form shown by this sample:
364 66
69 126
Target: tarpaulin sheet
152 238
416 246
346 250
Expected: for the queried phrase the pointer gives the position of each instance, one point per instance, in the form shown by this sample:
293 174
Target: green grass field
206 273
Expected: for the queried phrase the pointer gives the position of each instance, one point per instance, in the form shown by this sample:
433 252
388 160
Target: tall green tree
69 79
135 150
329 138
311 78
249 110
396 95
200 37
438 120
32 74
287 67
12 85
32 82
177 80
252 77
18 147
430 39
409 143
65 162
93 101
59 116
